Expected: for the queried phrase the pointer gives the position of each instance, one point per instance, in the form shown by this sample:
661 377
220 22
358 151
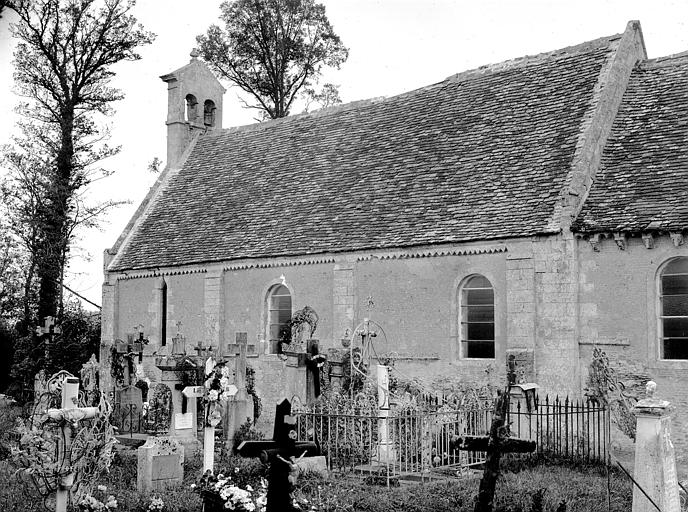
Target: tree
274 50
63 67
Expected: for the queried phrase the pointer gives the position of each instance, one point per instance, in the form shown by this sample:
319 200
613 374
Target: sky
394 46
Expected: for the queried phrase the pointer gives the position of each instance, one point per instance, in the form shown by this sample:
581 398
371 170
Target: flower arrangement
156 505
218 385
230 492
90 503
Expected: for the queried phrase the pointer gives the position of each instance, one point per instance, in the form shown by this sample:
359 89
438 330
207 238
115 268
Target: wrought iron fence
401 442
574 429
130 419
418 440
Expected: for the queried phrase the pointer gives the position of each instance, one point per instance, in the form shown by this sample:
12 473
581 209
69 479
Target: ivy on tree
63 61
275 50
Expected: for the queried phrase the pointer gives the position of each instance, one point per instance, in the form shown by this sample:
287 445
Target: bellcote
194 104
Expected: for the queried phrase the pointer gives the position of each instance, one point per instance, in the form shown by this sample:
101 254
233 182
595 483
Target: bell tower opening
186 87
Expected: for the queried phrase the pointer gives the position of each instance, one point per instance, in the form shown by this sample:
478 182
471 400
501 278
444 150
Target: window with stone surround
477 326
279 314
673 307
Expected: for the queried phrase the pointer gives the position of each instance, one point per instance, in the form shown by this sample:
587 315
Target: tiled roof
643 178
482 155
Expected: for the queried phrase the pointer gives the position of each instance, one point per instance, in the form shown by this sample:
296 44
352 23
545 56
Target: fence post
655 462
566 425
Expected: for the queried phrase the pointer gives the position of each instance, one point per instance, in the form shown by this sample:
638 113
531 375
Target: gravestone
160 464
159 414
131 399
655 460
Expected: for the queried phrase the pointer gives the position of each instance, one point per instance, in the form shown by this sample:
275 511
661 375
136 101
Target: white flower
102 488
213 395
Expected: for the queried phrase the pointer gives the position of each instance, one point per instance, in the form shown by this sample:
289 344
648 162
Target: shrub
246 432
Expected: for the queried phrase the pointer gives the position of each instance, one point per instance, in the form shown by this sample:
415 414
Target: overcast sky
395 46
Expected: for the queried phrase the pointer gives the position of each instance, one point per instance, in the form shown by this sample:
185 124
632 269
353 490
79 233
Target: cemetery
354 436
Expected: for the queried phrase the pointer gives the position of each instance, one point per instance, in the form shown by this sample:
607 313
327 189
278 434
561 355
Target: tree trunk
26 300
54 225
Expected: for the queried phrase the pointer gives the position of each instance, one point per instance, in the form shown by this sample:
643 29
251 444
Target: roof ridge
315 113
666 60
351 105
536 58
488 68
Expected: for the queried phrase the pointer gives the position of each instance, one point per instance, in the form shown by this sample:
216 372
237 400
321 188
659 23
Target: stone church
535 207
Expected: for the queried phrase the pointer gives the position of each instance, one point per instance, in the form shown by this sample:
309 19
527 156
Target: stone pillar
385 446
655 461
213 309
556 328
108 331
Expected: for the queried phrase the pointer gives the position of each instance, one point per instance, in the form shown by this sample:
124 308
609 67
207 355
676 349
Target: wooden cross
495 443
282 452
67 415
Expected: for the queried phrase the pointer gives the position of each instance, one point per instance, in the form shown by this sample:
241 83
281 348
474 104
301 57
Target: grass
584 488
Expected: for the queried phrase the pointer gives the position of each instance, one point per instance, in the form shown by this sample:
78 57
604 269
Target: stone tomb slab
160 464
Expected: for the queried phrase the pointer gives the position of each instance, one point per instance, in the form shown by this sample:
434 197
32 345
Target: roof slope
481 155
643 177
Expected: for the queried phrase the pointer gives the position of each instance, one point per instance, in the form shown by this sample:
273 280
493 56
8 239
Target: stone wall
619 312
555 298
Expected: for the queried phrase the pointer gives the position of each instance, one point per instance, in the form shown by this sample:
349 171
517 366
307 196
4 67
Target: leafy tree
68 350
275 50
63 66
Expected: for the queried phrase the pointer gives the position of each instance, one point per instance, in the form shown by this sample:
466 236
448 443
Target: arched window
191 113
673 309
279 314
209 113
477 318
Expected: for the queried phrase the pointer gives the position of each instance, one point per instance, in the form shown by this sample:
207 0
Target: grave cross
237 411
68 415
282 452
48 330
495 443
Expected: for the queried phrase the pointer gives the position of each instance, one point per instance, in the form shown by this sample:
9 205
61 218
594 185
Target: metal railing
573 429
402 442
418 440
